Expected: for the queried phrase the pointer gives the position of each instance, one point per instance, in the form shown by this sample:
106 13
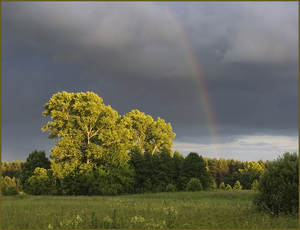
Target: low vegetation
204 209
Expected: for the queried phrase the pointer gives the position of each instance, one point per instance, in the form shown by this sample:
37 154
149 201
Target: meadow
205 209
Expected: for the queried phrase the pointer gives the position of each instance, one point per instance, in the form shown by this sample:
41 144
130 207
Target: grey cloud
258 32
107 38
134 56
267 33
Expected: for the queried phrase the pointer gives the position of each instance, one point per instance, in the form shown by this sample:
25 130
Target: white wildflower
137 219
107 219
170 211
78 220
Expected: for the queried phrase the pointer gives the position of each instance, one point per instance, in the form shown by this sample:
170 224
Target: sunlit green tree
40 183
11 169
149 135
9 185
254 185
222 186
237 186
90 136
250 172
228 187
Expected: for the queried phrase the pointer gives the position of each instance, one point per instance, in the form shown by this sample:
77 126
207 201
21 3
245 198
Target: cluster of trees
277 188
11 169
226 172
99 152
94 143
146 172
164 172
10 183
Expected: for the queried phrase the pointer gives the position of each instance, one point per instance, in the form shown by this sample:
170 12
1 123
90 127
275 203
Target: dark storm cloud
108 38
132 55
248 54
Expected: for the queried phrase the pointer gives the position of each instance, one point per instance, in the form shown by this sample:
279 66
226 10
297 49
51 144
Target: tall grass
205 209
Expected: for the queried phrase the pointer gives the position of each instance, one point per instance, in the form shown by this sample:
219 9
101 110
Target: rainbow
197 75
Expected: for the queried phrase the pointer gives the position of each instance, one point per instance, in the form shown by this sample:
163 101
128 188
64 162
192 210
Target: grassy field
207 209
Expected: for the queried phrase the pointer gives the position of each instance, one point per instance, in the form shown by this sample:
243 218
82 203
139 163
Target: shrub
222 186
193 185
170 188
278 186
10 186
228 187
254 185
237 186
39 183
214 185
34 160
11 191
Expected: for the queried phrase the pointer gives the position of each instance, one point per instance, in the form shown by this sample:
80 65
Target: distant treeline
146 173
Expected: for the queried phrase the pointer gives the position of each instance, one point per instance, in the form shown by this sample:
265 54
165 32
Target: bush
10 186
228 187
40 182
34 160
237 186
11 191
278 186
214 185
254 185
194 185
170 188
222 186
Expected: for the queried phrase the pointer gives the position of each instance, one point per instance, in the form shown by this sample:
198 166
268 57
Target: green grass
206 209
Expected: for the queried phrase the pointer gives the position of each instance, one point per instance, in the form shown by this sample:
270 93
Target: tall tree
214 169
91 136
178 164
149 135
162 171
84 126
194 167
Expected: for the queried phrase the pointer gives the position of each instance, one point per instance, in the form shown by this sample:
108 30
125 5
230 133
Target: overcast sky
224 74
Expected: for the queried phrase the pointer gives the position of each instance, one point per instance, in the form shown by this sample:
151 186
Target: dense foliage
34 160
94 143
194 185
229 171
144 173
11 169
99 152
279 186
